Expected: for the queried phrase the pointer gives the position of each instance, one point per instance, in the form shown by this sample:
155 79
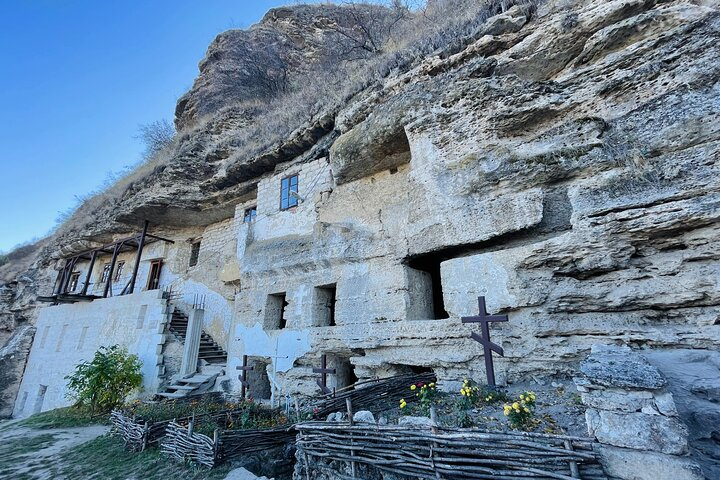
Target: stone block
615 399
627 464
638 431
619 366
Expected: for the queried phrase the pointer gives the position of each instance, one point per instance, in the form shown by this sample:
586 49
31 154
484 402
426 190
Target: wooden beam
89 273
141 244
109 280
159 238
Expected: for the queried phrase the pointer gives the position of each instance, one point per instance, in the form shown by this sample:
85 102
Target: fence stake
348 404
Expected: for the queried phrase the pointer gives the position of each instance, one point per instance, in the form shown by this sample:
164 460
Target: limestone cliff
574 147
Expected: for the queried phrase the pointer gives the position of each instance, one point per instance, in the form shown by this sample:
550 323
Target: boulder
336 417
364 416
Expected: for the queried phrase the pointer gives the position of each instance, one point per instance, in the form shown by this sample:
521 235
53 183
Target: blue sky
76 80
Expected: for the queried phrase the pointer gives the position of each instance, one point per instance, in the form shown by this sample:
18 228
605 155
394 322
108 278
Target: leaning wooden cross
243 378
484 338
323 371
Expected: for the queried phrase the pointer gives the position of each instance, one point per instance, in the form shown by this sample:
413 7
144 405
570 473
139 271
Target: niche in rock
425 289
258 379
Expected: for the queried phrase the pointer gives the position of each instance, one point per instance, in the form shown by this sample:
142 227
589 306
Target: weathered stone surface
364 416
638 431
621 367
336 417
627 464
243 474
415 421
616 399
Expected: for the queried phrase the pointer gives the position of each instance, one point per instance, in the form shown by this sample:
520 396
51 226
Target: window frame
194 253
250 214
289 201
105 273
74 281
118 271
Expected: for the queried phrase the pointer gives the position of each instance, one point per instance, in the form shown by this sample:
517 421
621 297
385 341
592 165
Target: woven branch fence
138 434
372 395
440 453
182 443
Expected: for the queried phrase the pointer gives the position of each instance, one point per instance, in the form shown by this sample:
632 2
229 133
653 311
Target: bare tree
155 136
367 28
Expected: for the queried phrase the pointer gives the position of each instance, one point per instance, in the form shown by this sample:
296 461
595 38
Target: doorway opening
154 276
344 372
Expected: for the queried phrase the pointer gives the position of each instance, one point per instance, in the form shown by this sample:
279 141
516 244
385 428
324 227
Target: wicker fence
137 433
371 395
439 453
182 443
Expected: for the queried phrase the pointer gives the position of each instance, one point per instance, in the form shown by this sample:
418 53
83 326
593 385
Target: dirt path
28 453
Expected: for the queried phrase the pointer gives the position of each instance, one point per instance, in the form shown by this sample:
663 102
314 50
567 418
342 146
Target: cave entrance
344 373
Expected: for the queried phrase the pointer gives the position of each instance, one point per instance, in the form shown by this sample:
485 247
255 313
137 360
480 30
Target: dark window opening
275 307
324 308
427 277
250 214
118 271
288 186
258 380
194 253
105 273
154 277
74 279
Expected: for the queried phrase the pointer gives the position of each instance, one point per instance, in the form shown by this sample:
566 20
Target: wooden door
154 277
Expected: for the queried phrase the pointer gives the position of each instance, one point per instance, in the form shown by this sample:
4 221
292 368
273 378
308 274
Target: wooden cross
323 371
483 318
243 378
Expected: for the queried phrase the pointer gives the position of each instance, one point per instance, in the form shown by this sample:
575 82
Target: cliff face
574 154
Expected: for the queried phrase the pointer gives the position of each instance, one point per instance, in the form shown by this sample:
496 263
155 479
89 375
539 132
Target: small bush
522 411
103 383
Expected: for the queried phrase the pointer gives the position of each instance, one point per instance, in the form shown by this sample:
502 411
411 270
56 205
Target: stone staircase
191 385
210 351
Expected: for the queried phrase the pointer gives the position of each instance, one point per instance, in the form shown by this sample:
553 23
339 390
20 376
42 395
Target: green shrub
103 383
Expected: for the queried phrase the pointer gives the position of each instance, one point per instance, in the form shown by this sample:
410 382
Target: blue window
250 214
287 185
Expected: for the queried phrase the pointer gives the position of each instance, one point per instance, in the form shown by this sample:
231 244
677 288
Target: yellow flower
522 398
507 410
527 410
432 385
412 387
516 406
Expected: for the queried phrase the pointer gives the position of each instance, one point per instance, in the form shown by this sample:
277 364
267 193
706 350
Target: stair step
196 379
172 395
183 387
